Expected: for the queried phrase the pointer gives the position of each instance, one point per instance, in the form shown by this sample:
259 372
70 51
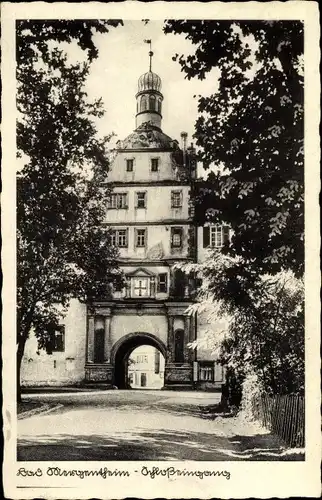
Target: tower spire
149 98
150 54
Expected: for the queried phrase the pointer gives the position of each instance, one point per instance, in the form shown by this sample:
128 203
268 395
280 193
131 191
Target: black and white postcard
161 276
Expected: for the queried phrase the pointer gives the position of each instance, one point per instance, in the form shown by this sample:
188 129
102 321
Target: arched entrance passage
122 350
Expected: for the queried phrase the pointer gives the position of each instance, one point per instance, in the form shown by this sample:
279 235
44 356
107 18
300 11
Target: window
141 283
206 372
144 103
129 165
140 237
179 283
152 102
163 283
176 199
215 236
143 379
141 287
141 200
119 238
58 339
118 200
176 237
142 358
154 164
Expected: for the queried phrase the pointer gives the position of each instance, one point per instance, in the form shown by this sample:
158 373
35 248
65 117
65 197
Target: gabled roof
148 136
140 272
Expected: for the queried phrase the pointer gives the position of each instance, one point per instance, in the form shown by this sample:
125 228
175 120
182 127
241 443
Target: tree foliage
252 129
63 249
264 335
249 135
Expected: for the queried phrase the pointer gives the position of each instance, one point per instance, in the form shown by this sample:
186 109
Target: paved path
135 425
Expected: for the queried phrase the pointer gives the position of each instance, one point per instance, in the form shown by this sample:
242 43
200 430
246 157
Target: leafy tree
249 135
264 335
63 249
250 132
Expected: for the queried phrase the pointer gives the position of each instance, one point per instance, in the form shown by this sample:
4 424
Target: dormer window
141 284
129 165
154 164
141 287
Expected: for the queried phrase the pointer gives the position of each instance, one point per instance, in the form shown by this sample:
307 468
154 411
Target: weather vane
150 52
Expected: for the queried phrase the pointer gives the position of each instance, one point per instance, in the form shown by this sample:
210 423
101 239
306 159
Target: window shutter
180 232
225 234
206 236
172 233
126 237
165 282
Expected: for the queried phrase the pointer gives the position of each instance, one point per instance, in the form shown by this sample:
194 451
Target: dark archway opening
122 355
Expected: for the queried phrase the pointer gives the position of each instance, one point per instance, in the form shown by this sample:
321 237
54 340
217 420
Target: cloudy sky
123 57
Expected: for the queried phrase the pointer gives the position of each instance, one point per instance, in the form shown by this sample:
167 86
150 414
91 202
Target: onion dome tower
149 98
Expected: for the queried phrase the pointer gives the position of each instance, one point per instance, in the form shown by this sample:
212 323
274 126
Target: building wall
58 368
146 367
158 204
158 243
117 319
205 355
142 169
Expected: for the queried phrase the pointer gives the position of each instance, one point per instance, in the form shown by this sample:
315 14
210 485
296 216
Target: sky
123 57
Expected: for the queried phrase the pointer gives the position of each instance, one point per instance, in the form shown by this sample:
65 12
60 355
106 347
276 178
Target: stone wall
58 368
123 324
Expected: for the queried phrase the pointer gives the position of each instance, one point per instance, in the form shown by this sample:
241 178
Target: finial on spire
150 53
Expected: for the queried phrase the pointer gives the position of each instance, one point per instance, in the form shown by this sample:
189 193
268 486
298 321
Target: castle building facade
150 214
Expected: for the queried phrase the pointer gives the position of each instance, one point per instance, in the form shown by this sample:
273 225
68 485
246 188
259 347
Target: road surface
138 425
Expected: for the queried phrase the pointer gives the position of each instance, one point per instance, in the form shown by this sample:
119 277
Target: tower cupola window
144 103
152 102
